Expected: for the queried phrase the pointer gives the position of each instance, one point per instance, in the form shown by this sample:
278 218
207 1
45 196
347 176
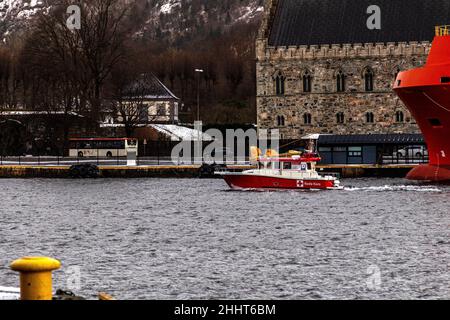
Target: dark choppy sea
194 239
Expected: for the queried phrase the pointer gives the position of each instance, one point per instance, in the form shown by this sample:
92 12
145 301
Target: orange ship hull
426 93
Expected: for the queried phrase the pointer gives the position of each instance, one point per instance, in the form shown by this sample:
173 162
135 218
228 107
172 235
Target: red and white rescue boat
296 172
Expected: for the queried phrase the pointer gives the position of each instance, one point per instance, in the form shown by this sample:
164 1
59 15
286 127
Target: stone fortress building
324 66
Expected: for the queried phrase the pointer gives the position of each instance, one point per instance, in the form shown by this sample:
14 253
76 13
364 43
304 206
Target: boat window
287 166
309 165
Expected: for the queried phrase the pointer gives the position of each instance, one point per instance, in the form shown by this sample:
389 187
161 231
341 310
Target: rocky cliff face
171 20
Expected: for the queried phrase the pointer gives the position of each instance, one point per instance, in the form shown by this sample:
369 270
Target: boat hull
426 93
243 181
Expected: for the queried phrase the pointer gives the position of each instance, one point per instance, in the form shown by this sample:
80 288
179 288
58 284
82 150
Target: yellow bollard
36 277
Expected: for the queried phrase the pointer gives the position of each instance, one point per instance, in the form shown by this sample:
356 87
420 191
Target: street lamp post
199 143
198 71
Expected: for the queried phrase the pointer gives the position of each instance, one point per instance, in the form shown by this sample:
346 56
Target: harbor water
195 239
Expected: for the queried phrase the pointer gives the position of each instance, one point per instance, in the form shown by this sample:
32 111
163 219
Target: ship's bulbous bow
429 172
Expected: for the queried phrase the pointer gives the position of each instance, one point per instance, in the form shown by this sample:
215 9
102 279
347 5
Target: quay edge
63 172
192 171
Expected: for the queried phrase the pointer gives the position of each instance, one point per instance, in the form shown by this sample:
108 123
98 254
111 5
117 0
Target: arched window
368 79
399 116
370 118
279 84
307 81
280 121
340 81
307 118
340 117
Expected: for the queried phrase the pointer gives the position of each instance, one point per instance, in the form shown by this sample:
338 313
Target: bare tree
130 94
84 57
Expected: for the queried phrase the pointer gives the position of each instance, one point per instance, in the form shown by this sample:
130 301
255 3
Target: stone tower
321 70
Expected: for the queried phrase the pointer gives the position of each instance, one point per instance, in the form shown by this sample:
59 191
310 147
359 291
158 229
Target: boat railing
443 30
335 175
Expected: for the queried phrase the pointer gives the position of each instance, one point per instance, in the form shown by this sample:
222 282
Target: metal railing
443 30
397 159
111 161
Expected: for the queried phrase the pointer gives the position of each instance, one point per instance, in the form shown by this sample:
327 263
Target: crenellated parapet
336 51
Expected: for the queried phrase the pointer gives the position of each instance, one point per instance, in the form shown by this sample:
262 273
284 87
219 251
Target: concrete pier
192 171
61 172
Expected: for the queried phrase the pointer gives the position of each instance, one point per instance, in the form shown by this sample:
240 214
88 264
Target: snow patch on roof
179 133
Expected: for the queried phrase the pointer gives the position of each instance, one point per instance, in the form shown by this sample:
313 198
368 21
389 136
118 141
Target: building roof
10 113
371 139
319 22
179 133
148 86
172 131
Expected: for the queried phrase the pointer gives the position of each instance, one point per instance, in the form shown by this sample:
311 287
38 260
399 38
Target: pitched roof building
147 100
327 66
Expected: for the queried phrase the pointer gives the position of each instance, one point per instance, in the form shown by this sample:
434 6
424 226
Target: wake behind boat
292 171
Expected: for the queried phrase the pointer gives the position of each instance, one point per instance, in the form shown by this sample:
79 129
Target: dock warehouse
372 149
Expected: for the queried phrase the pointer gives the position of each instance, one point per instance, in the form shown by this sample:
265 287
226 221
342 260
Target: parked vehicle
412 152
102 147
